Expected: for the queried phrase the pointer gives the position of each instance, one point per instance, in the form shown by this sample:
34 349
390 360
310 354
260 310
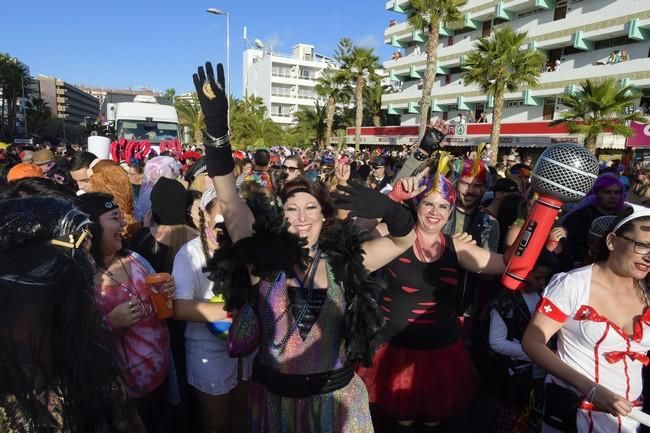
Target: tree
373 94
171 95
426 16
250 126
600 106
314 121
499 65
333 85
14 82
190 114
359 66
38 115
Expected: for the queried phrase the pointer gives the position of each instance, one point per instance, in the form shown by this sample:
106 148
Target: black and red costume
423 371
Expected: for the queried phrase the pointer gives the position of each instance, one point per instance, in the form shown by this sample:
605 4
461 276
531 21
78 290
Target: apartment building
578 37
285 82
66 101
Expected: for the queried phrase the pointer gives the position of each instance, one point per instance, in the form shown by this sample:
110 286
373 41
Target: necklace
269 322
145 307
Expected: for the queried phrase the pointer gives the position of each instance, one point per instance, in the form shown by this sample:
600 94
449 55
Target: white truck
144 118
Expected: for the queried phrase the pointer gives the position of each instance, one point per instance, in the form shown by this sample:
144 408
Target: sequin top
323 348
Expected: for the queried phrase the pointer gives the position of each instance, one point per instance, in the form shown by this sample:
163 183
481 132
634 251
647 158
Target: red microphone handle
531 240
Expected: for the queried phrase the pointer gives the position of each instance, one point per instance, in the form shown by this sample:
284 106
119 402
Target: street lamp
220 12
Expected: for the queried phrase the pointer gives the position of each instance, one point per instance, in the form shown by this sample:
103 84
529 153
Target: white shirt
209 367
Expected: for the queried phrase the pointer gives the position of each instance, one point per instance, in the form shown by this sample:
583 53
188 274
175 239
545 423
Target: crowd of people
289 290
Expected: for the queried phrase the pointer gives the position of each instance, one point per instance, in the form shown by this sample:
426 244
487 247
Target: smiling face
305 216
112 224
470 190
630 250
433 213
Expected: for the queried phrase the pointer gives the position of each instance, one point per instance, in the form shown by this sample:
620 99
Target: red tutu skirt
427 385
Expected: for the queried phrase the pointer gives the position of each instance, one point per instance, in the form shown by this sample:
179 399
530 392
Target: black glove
367 203
431 140
214 104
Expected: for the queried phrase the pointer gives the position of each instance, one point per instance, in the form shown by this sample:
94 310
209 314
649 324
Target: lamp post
215 11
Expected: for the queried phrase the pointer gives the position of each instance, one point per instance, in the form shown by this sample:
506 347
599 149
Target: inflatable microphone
564 173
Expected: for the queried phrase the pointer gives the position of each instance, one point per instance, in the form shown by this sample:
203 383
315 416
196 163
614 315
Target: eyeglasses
289 169
641 248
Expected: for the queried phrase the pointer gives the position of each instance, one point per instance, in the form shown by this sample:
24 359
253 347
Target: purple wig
437 183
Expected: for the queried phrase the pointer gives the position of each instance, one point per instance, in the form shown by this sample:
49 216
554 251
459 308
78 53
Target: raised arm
214 104
367 203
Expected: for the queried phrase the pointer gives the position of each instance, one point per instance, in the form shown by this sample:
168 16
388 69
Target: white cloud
367 41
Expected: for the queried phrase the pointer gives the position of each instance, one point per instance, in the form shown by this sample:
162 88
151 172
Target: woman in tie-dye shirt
141 338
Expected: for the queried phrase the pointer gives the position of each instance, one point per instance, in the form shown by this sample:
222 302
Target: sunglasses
289 169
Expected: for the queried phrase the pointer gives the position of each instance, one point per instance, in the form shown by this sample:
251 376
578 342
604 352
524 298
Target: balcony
636 71
397 5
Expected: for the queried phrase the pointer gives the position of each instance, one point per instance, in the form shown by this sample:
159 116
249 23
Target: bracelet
592 394
420 155
222 141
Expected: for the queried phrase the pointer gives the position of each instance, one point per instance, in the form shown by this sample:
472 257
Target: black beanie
168 201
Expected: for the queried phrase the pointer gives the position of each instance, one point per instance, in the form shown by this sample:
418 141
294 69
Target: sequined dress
322 349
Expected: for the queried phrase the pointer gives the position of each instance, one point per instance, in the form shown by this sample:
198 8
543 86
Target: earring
323 219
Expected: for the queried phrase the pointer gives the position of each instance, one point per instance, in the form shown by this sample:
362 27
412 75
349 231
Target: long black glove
430 143
214 104
367 203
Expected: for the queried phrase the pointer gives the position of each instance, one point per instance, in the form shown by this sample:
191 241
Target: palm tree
250 126
597 107
38 115
359 66
14 81
315 121
190 114
426 16
373 93
171 95
499 65
334 86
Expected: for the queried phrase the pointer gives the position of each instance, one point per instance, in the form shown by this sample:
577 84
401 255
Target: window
306 93
307 74
281 91
614 42
571 50
515 103
529 13
279 71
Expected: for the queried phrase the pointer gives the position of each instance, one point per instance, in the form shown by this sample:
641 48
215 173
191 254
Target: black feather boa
273 249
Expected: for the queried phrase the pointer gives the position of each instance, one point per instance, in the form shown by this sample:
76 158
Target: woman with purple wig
423 371
605 198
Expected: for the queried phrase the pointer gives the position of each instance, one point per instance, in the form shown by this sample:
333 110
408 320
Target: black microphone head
565 171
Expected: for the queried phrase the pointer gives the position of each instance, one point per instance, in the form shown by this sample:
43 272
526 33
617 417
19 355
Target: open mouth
642 267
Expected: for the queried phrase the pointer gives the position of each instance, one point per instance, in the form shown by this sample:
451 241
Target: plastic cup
162 304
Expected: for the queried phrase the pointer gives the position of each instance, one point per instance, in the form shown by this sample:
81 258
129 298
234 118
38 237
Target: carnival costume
596 348
303 378
423 371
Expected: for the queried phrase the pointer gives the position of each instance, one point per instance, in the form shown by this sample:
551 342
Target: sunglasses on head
289 169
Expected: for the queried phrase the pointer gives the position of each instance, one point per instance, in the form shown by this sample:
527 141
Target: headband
207 196
639 212
284 195
96 206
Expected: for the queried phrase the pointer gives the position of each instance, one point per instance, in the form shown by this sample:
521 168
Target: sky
159 44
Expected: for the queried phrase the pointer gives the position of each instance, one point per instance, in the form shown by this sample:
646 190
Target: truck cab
144 119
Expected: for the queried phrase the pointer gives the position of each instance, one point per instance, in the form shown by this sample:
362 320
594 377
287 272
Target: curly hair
110 178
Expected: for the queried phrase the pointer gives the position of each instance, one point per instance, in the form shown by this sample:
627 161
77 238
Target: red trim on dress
409 290
404 260
586 312
597 369
627 376
549 309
